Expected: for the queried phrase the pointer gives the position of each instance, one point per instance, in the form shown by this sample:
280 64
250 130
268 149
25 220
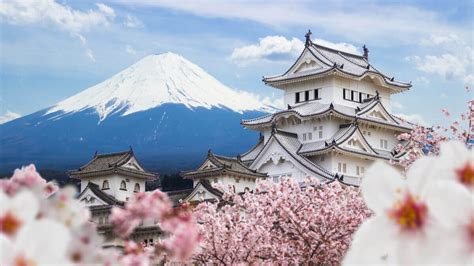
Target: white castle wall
331 90
114 185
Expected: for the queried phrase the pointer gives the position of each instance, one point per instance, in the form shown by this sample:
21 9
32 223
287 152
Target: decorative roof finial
273 128
366 52
209 152
308 38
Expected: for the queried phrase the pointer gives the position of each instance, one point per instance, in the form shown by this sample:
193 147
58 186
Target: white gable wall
114 185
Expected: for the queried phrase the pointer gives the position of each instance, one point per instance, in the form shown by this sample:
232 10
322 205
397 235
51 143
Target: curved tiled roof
316 109
223 164
109 199
334 143
335 61
109 163
253 152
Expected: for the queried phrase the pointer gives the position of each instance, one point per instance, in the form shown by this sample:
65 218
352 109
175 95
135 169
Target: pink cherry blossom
285 223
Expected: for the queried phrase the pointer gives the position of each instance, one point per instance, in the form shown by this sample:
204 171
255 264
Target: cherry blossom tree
283 223
427 140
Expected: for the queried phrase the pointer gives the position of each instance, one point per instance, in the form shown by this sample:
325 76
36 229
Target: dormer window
123 185
105 185
136 188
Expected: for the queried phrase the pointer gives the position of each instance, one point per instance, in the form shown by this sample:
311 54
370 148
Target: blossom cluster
285 223
425 217
422 141
177 222
41 224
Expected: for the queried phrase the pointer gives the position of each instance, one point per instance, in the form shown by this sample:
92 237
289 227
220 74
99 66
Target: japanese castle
336 124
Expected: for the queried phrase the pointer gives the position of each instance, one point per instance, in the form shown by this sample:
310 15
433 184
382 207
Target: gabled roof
290 143
339 139
317 109
123 162
218 165
94 188
204 183
323 61
254 151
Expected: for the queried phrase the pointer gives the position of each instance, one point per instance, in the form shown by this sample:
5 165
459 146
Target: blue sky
50 50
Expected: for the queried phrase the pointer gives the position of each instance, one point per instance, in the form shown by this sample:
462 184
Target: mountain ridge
155 80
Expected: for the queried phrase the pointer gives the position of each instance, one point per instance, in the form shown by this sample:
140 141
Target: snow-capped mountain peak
156 80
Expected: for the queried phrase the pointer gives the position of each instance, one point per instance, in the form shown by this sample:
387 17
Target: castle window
306 96
304 136
123 185
137 188
310 136
342 167
354 96
320 133
383 144
360 170
316 94
105 185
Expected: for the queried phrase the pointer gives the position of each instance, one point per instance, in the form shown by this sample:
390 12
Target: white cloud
341 46
51 13
129 49
269 47
360 21
8 116
132 22
422 80
90 55
279 48
48 12
435 39
414 118
107 10
450 57
448 65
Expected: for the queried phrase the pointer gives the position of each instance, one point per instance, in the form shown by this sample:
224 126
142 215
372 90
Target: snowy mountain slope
153 81
168 109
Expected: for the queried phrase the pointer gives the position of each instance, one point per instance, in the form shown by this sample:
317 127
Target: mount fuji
167 108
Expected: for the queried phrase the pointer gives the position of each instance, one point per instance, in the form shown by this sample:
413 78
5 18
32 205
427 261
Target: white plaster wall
332 90
114 185
325 84
361 86
330 127
376 134
284 168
